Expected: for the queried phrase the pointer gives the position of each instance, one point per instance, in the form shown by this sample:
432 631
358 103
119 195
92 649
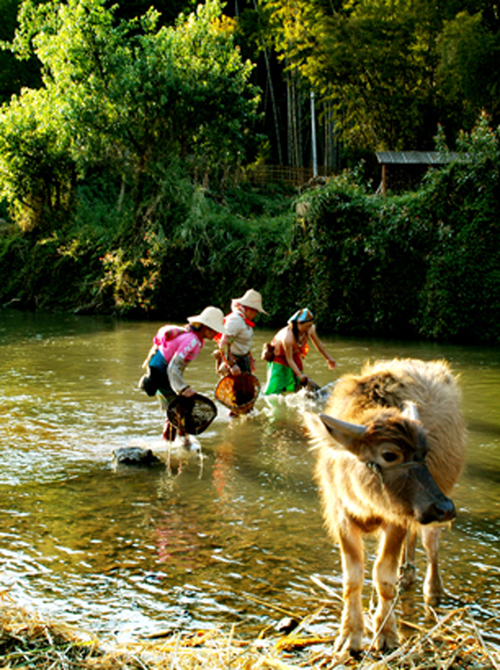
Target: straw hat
251 299
211 317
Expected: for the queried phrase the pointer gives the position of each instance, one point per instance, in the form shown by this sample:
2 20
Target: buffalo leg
407 569
352 625
433 585
385 577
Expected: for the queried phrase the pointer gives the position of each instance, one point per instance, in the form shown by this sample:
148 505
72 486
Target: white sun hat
252 299
211 317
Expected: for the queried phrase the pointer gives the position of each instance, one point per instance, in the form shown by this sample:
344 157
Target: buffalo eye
389 456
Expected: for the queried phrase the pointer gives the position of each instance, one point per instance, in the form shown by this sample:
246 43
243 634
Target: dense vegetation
421 264
124 181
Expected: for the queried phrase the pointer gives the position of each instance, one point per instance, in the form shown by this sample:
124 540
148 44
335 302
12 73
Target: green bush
424 264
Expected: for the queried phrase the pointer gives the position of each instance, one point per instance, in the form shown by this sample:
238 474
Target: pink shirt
173 340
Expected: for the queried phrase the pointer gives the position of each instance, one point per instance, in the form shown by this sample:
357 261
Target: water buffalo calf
390 447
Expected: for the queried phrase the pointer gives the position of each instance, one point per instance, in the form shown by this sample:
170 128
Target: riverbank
27 640
419 266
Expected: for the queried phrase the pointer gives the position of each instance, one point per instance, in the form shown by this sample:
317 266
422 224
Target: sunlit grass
27 640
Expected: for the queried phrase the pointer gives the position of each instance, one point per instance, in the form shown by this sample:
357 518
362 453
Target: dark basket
238 392
191 415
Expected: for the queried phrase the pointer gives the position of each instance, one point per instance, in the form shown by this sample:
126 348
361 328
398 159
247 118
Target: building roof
415 157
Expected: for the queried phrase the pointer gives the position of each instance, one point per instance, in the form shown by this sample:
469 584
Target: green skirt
280 379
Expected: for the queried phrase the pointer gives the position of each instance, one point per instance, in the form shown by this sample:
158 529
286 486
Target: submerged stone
135 456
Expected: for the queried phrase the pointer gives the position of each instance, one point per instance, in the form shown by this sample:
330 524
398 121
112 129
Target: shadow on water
232 533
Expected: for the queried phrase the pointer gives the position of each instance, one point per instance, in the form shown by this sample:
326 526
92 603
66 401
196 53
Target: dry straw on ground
29 641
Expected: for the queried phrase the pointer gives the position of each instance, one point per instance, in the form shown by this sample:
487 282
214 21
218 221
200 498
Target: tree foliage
128 97
36 170
422 264
419 265
384 73
393 71
469 53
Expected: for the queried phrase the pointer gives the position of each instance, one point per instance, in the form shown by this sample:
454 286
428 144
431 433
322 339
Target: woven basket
191 415
238 392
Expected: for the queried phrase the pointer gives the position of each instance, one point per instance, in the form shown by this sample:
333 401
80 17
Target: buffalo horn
342 431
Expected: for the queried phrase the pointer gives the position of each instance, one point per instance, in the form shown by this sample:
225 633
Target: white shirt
240 334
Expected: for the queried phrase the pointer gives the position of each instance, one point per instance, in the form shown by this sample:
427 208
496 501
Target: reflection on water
234 534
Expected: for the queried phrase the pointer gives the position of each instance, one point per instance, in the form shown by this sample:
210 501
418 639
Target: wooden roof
415 157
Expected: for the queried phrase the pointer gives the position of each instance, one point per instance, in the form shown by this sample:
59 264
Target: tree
131 99
169 9
469 53
393 71
37 174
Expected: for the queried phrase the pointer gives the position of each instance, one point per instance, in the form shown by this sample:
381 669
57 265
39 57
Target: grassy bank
27 640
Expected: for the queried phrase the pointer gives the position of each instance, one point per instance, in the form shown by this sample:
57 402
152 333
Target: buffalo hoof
433 600
433 588
137 456
407 576
386 637
387 640
352 642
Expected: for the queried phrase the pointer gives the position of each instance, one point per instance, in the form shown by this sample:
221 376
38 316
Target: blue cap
302 316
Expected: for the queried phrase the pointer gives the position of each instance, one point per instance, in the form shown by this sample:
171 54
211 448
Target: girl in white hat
173 349
236 343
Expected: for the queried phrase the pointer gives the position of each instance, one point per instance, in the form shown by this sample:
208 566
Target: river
232 535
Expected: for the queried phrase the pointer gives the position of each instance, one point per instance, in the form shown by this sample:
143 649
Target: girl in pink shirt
173 349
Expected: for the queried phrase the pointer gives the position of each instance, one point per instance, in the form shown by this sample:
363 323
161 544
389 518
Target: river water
230 535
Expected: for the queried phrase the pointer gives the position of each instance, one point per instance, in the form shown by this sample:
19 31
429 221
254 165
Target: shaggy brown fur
413 464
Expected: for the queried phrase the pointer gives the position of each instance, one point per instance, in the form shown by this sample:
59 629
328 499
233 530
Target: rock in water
135 456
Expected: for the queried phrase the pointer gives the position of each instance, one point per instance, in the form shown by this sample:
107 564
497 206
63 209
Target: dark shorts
243 362
156 380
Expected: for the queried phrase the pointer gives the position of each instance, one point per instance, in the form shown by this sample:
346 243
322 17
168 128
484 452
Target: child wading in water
173 349
285 372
